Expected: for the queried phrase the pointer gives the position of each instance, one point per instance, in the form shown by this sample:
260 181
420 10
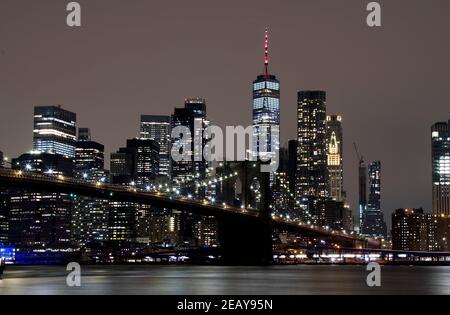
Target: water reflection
216 280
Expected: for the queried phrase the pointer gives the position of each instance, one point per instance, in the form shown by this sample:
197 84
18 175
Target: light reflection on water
215 280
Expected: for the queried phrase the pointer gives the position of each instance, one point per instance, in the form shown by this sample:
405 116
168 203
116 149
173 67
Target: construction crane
358 156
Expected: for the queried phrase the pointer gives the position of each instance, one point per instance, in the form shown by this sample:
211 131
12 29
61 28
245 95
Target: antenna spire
266 51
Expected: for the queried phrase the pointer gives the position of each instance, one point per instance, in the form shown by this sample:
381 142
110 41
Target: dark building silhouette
373 221
47 163
292 164
362 192
122 167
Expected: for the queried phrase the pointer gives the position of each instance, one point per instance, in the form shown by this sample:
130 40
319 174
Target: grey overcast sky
144 57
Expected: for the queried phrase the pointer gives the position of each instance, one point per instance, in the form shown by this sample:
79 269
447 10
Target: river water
224 280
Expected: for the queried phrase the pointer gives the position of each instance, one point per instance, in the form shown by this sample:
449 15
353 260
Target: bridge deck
41 182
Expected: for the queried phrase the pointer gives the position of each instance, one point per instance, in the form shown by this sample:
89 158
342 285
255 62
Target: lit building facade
37 219
4 215
312 172
415 230
188 174
157 128
158 227
136 164
145 154
266 111
335 157
440 153
122 215
54 130
89 155
90 215
192 116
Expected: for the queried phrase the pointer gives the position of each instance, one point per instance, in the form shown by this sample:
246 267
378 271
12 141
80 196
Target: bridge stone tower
246 240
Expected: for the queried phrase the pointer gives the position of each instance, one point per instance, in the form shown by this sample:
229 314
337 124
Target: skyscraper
362 191
90 215
312 173
137 163
440 155
157 128
122 167
334 157
266 109
89 155
146 159
373 221
54 130
192 116
122 215
196 168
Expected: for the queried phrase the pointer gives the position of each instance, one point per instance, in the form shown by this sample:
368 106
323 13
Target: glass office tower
440 154
157 128
54 130
373 220
266 110
312 171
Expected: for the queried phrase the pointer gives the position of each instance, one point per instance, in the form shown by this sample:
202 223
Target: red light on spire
266 49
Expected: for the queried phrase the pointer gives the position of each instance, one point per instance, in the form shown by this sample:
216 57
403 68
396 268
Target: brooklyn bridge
245 233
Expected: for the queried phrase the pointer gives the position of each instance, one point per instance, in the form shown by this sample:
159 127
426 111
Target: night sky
144 57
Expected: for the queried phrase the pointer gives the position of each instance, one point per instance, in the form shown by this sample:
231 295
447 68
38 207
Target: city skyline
357 113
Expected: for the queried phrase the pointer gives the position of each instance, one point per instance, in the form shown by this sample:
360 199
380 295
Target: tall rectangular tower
54 130
157 128
312 172
373 219
192 116
266 110
335 157
440 155
89 155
